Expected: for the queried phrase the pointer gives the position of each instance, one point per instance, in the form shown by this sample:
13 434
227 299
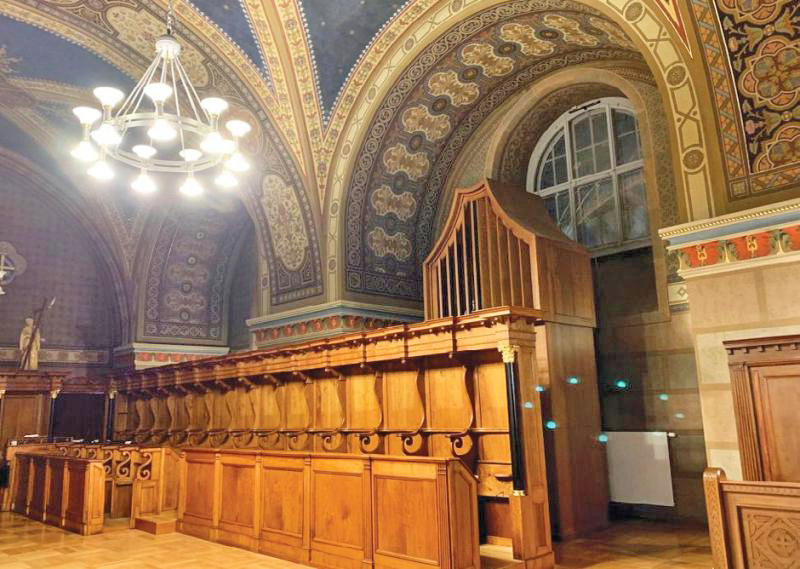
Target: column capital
509 352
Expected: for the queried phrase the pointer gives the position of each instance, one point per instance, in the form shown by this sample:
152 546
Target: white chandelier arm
177 100
193 96
138 90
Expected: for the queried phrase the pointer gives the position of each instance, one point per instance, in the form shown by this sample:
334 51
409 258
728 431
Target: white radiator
639 469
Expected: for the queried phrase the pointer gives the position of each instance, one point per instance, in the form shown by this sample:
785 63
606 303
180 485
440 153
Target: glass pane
558 147
561 170
584 162
623 123
602 155
596 216
564 218
599 127
546 179
627 148
634 205
583 133
626 138
559 209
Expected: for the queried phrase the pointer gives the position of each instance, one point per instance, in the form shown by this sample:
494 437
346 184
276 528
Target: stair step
157 524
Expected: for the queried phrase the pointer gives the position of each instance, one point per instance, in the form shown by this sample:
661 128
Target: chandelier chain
170 17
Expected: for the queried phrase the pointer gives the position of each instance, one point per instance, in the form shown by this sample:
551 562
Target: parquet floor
25 544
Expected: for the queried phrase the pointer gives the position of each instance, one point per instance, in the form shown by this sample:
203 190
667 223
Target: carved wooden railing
752 524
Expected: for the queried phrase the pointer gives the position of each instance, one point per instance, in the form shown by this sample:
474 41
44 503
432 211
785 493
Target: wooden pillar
530 514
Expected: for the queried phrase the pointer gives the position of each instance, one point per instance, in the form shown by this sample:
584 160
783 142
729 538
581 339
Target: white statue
31 343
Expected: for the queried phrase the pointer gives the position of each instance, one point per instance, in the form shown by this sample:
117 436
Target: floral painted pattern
482 55
419 118
287 230
753 11
570 29
398 159
525 37
447 83
772 76
382 244
385 201
783 149
763 41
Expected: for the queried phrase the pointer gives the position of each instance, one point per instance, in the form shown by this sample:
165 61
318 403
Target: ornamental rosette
772 75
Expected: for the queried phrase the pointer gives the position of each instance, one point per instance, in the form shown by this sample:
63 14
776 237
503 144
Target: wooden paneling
67 492
333 510
752 525
765 380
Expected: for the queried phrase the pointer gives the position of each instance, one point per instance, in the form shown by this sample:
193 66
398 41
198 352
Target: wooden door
776 399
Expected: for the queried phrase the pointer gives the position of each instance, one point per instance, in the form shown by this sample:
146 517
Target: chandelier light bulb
101 171
226 179
191 187
144 151
214 106
214 143
237 163
106 135
190 154
85 152
108 96
162 131
158 92
144 184
237 128
87 115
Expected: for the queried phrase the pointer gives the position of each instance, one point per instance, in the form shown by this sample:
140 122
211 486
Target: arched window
588 168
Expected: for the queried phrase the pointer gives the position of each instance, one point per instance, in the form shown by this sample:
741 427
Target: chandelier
161 126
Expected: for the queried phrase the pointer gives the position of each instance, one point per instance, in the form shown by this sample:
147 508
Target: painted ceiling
360 109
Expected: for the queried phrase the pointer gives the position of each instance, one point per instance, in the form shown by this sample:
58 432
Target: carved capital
54 393
2 393
509 352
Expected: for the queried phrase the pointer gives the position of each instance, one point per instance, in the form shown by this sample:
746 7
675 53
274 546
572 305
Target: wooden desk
63 491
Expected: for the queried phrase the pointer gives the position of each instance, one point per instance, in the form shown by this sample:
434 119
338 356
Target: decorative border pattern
743 180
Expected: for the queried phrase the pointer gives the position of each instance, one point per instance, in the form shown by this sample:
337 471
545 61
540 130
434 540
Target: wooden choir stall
408 446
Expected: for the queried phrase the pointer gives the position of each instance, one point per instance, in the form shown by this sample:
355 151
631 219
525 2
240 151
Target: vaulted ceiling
360 109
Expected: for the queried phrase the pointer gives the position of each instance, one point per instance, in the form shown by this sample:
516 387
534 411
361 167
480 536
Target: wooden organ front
509 317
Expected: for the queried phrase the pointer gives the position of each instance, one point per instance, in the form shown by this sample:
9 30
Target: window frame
565 125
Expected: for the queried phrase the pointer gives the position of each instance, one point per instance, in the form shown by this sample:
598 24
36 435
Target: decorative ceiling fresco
339 32
431 112
44 43
752 53
360 110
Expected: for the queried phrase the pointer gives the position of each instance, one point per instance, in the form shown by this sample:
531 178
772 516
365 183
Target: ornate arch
649 36
110 261
220 67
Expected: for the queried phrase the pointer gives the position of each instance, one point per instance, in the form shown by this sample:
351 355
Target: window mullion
612 146
571 177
